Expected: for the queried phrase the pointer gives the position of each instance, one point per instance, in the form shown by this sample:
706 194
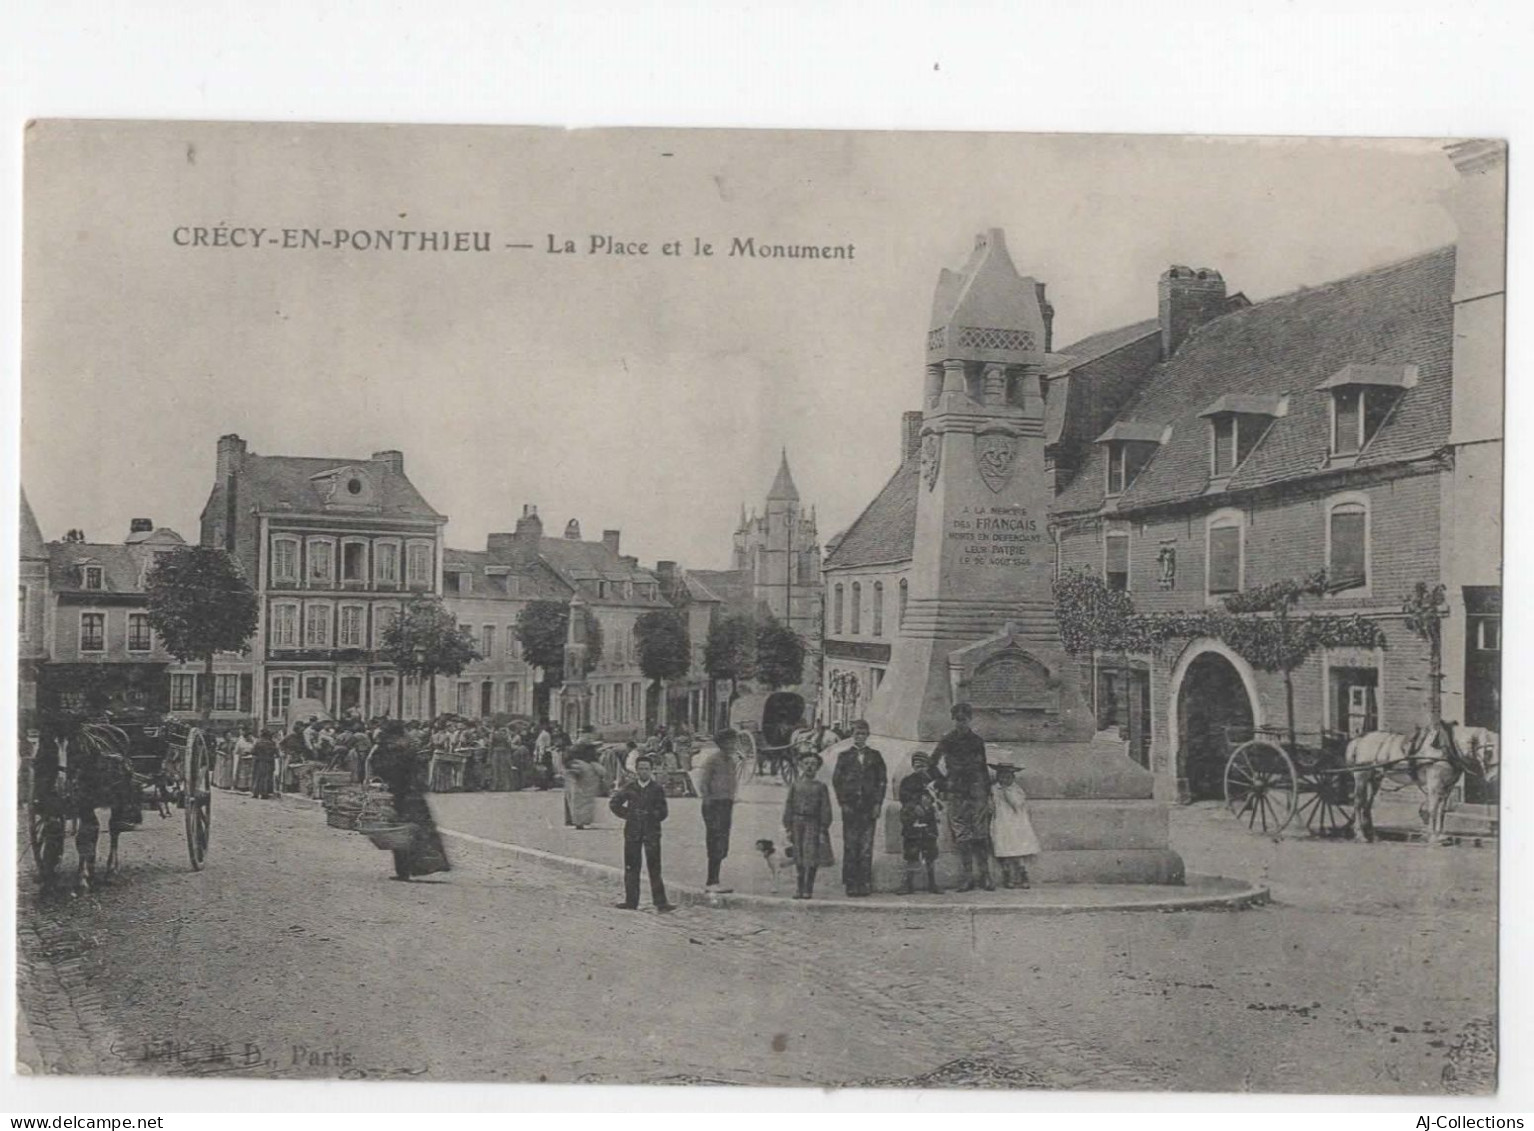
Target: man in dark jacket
641 804
859 781
961 755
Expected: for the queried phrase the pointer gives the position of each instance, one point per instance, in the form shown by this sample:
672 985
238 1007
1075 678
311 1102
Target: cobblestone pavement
292 955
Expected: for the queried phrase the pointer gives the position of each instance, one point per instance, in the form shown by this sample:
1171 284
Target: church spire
783 486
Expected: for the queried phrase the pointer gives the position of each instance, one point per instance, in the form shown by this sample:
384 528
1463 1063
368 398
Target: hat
920 754
1000 766
815 754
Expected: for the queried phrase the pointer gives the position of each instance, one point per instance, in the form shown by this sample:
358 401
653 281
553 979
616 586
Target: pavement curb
1247 895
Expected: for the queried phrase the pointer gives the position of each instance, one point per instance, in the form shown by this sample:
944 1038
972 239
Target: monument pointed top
986 311
783 486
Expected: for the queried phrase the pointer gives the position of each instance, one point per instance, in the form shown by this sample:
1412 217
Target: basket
390 838
341 819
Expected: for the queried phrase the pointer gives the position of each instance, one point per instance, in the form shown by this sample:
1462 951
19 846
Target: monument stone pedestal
979 625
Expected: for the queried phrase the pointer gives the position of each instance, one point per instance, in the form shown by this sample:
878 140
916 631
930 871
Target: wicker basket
342 819
388 837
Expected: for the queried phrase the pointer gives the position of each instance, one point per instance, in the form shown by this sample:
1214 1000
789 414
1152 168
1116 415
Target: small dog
775 863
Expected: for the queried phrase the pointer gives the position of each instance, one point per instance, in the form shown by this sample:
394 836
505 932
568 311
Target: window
466 630
90 577
418 564
284 626
381 700
1224 553
1126 459
386 563
878 608
21 614
857 607
1233 437
285 560
1487 633
618 703
1346 434
317 687
836 610
636 701
513 645
317 625
487 641
139 638
1224 445
226 692
1347 546
512 703
350 633
183 693
354 561
905 594
322 566
1116 560
93 632
383 617
600 706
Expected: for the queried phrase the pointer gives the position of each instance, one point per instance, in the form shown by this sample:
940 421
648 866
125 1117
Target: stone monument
980 624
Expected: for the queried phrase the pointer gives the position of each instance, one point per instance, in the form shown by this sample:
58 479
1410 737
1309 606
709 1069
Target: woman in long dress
403 770
1013 840
582 783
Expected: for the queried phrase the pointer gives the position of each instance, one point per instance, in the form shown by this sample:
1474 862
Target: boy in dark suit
642 806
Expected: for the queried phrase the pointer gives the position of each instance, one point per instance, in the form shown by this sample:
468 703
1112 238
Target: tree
1425 608
665 646
779 654
425 641
542 628
730 652
200 603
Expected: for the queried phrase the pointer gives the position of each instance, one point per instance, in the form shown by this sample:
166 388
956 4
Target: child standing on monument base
918 826
1012 836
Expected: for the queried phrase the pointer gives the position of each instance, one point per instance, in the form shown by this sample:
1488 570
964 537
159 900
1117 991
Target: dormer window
1362 399
1237 424
90 577
1130 445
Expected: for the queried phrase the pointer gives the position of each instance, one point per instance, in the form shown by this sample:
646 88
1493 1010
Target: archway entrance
1213 714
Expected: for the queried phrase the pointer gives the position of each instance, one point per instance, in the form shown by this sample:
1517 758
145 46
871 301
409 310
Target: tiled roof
121 566
536 584
286 483
573 560
30 543
731 587
1395 315
1097 345
886 530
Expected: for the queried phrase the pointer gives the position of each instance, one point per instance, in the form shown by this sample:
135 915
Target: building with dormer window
334 548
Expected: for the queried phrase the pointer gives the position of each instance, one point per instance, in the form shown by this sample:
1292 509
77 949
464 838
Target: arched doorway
1214 711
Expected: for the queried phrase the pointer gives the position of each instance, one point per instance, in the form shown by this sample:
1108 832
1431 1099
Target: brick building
334 547
1353 426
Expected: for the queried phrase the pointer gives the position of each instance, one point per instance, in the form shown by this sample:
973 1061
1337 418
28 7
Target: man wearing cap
716 788
960 755
859 780
641 804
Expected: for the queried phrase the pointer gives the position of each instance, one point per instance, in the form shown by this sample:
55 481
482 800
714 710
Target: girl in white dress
1012 836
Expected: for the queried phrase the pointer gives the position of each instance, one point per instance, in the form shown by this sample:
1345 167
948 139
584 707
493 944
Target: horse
1433 758
79 770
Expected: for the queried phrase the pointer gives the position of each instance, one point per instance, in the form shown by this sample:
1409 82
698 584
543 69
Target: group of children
1012 839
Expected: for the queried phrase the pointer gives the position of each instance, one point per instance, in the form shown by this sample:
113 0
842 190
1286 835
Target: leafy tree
542 627
665 646
730 652
200 603
779 654
426 641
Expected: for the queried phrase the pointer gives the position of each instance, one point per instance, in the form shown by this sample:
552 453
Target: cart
164 763
765 725
1271 781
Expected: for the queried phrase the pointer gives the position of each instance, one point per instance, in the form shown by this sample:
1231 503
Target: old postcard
765 608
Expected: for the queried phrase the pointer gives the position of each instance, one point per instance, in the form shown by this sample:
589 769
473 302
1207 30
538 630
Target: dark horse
82 767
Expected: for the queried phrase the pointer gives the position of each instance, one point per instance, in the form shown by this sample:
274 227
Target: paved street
292 955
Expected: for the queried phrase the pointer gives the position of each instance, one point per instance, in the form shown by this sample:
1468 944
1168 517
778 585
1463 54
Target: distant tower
779 550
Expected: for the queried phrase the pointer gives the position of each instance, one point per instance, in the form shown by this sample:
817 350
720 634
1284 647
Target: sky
646 393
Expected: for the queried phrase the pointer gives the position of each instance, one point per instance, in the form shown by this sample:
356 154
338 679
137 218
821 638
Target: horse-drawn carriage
121 763
1327 781
766 726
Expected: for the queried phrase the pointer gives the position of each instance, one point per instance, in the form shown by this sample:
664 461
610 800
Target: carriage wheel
36 828
197 783
746 744
1326 803
1260 786
788 766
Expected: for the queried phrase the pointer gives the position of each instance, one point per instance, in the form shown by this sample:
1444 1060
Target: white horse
1433 758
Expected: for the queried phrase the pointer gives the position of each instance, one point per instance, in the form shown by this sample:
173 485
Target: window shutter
1225 559
1347 564
1117 546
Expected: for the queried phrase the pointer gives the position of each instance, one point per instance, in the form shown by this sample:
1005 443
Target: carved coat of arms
931 452
996 457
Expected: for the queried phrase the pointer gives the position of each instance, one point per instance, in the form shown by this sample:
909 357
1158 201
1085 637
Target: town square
1049 638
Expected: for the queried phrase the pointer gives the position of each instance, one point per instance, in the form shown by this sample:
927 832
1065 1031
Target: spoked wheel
197 784
1326 803
37 825
788 767
745 752
1261 786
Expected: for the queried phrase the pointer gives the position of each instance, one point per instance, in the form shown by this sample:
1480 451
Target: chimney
573 530
525 546
231 454
1189 297
140 526
665 572
610 540
1049 317
501 545
393 460
910 436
